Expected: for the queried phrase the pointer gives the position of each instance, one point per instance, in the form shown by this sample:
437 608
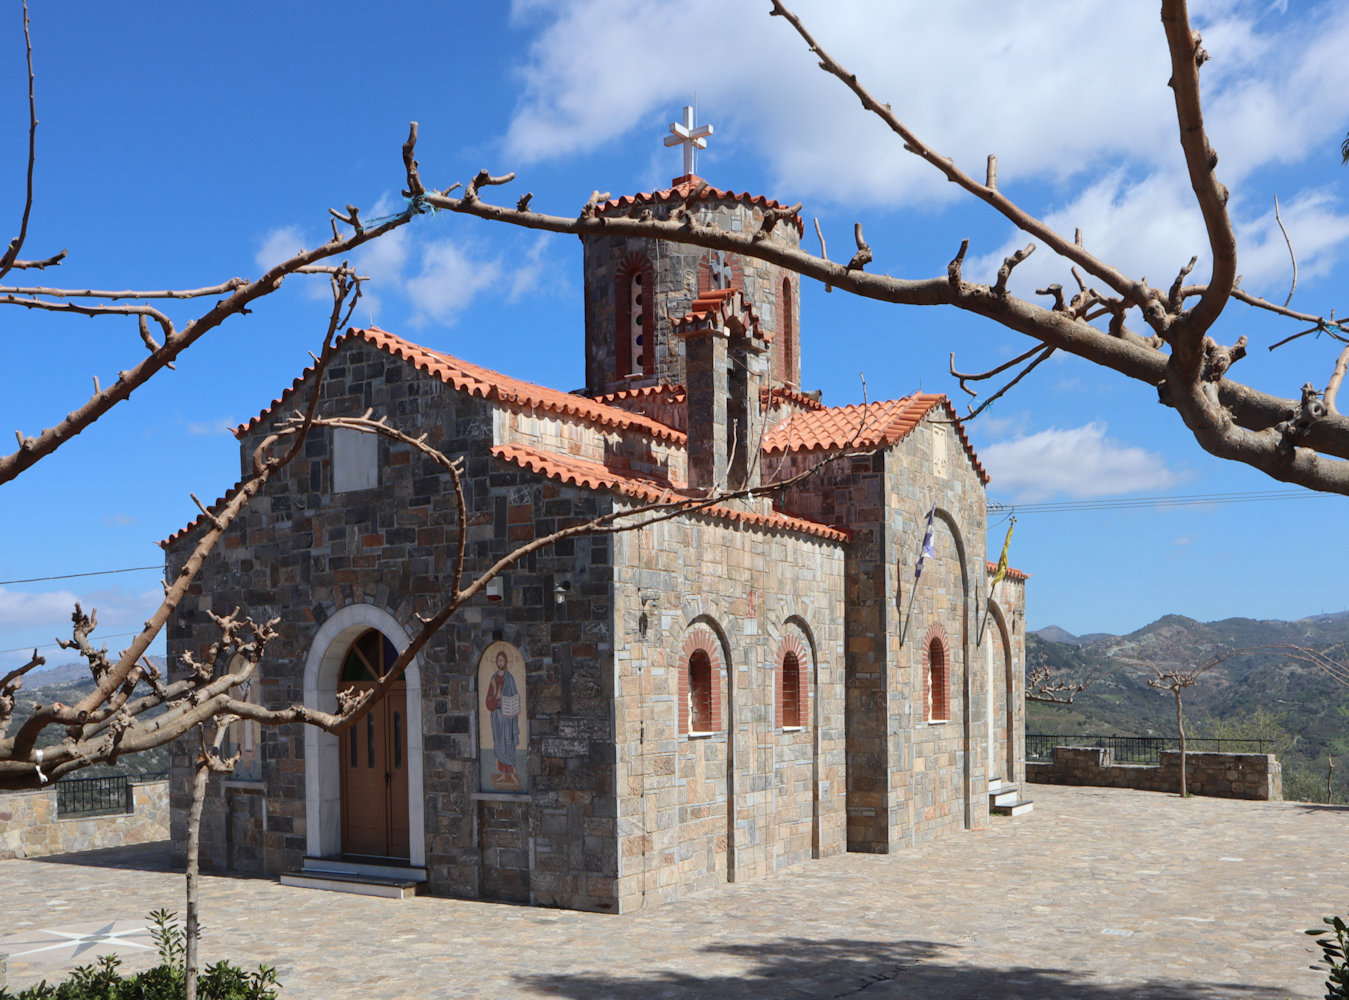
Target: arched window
787 352
700 692
937 683
700 666
634 318
790 674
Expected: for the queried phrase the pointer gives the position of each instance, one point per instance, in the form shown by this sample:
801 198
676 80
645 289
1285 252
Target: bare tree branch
16 244
1291 256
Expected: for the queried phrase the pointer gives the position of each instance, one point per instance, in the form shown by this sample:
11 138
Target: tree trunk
1180 728
199 779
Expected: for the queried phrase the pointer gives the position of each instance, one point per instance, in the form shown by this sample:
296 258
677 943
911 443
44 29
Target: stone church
621 718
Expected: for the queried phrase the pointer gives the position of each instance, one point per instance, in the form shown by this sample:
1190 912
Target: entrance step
364 885
367 866
1004 799
366 877
1004 796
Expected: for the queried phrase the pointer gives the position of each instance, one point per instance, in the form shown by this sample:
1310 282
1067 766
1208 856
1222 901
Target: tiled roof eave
680 192
864 428
1019 575
593 476
486 384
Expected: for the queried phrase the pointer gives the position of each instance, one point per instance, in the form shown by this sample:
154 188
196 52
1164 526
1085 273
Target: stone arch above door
323 665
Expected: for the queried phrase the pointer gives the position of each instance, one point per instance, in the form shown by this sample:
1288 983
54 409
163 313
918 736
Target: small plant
1334 943
166 981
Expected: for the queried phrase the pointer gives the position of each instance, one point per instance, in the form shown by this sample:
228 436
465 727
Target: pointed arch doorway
374 756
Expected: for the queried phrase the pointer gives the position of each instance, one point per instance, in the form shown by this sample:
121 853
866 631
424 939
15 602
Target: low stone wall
29 827
1221 775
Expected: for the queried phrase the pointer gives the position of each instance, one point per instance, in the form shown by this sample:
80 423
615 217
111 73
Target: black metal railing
1139 749
93 796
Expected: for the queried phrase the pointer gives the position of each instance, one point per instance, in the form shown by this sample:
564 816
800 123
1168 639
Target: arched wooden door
374 757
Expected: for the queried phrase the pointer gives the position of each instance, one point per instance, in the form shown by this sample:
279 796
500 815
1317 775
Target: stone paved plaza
1098 895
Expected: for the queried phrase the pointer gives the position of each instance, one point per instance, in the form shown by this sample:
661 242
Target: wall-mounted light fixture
494 589
560 592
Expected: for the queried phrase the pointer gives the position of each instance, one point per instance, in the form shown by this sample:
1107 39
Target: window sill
938 722
793 729
702 734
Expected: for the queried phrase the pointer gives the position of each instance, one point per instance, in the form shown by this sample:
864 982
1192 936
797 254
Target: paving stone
1100 894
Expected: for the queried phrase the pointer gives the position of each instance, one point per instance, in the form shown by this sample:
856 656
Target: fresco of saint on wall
503 724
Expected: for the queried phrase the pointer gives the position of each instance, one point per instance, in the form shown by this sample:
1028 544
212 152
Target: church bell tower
640 292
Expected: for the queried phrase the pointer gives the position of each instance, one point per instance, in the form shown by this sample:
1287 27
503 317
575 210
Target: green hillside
1265 693
68 684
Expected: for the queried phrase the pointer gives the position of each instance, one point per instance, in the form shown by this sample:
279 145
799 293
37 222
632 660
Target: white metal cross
692 139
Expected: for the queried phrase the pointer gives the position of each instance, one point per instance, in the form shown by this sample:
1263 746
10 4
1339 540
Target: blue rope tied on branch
417 205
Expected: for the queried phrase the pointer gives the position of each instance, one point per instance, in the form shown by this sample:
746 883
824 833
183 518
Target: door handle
386 779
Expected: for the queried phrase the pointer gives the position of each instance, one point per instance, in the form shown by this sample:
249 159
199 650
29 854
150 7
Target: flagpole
924 551
908 614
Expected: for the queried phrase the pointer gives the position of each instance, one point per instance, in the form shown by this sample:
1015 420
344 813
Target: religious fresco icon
503 723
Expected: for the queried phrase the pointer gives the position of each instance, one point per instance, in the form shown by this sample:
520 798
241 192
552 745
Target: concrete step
364 885
350 866
1018 809
996 785
1005 796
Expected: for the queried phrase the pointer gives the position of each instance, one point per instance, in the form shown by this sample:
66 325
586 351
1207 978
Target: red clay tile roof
715 304
873 425
484 382
683 187
795 396
594 476
1012 574
675 392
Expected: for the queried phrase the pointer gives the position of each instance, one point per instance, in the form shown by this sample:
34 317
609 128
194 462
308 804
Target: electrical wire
50 645
1154 503
72 576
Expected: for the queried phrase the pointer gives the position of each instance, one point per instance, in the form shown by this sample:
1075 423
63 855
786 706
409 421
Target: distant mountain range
1265 691
68 683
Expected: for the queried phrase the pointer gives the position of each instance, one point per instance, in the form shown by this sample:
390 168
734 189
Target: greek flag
927 545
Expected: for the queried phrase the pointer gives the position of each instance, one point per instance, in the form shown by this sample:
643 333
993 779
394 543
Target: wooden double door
374 757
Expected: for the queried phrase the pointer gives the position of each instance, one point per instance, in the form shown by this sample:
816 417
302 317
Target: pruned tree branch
7 260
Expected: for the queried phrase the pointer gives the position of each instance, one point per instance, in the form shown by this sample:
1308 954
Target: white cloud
436 280
447 282
31 618
22 609
1149 228
971 78
1074 462
279 244
533 272
222 425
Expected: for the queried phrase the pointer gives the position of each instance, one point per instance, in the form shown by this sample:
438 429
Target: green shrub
1334 943
166 981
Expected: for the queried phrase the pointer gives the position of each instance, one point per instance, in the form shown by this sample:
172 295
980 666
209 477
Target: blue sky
180 147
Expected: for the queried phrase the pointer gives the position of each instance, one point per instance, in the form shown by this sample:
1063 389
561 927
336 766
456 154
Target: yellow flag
1002 559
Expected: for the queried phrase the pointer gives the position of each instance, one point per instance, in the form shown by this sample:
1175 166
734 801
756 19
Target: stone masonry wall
753 796
305 553
1221 775
939 769
911 778
678 271
1005 654
29 827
